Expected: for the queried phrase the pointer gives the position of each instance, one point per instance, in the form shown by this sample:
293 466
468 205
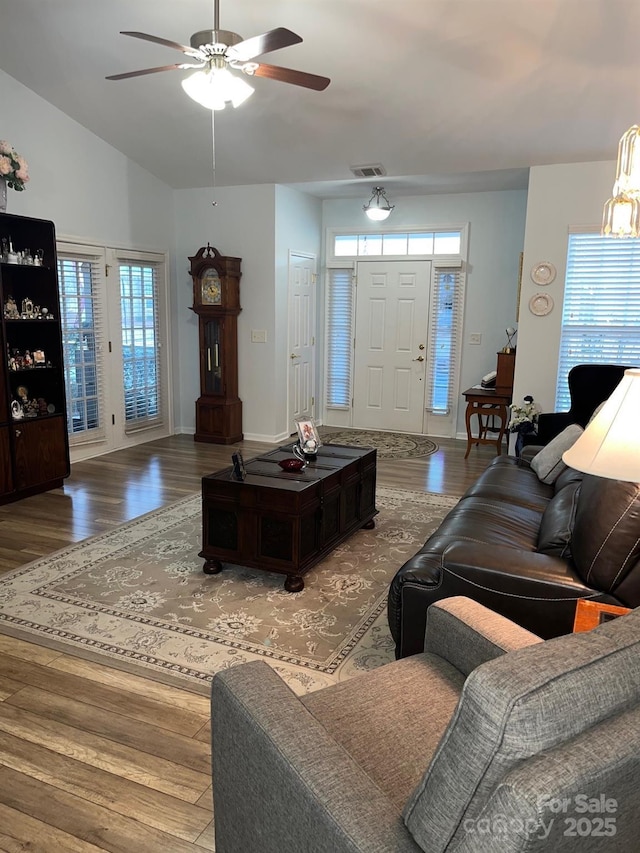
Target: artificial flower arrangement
13 167
524 418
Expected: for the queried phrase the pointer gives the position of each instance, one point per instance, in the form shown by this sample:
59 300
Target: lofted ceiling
449 95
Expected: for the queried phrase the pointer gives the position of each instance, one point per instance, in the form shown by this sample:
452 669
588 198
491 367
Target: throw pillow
556 528
548 464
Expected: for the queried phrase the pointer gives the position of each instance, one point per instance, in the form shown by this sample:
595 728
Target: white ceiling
449 95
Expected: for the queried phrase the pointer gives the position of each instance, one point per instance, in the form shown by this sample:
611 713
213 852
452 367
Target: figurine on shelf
30 409
11 309
27 360
42 406
27 309
38 258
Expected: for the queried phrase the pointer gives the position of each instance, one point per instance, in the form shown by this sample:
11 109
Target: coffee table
284 522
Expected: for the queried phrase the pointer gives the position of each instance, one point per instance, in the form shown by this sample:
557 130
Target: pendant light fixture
621 217
378 207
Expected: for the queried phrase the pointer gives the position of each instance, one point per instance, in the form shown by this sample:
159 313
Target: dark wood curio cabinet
216 301
34 446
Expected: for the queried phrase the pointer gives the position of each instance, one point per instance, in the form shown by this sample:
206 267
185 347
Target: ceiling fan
216 52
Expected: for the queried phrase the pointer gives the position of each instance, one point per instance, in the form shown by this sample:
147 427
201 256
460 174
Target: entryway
302 341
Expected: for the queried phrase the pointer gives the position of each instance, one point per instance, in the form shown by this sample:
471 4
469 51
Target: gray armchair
491 741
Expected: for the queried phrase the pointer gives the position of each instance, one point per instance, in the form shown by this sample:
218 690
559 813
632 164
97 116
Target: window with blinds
141 365
601 310
443 347
83 330
339 336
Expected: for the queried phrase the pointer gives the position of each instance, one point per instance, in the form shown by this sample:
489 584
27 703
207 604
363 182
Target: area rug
390 445
136 598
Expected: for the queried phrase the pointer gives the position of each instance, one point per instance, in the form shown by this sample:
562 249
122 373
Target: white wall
241 225
259 224
496 235
85 186
560 197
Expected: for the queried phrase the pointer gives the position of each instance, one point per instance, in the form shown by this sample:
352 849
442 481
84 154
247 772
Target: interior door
302 314
392 312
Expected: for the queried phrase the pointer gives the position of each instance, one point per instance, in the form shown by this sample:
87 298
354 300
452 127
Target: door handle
421 346
294 356
419 358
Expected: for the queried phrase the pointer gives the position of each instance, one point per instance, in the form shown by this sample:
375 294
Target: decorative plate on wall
541 304
543 273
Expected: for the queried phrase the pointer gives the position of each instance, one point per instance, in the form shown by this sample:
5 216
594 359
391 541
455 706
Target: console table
286 522
486 403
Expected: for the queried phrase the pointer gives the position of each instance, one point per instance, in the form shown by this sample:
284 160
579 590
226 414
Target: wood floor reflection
94 759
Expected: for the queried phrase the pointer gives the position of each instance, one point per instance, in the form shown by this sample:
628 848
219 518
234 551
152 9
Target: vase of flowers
14 171
523 420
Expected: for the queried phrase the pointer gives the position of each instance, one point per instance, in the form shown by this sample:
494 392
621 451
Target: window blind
443 347
601 310
141 345
81 282
339 338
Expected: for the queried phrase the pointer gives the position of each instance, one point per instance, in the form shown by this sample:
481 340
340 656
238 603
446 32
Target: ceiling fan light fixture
216 88
378 208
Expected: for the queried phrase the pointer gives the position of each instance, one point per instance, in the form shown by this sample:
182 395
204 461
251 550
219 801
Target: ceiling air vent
374 170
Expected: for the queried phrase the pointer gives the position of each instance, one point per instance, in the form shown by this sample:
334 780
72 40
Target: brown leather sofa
525 549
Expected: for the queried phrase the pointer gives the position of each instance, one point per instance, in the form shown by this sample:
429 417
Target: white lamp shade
216 88
610 445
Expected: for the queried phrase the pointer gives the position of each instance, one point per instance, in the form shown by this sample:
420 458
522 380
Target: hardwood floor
94 759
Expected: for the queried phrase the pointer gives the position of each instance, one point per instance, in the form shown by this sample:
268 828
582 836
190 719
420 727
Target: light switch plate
258 336
475 338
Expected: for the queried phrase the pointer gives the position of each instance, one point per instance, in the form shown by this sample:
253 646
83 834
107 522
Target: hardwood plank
8 687
27 651
133 705
207 839
156 773
111 677
88 822
116 727
20 832
171 815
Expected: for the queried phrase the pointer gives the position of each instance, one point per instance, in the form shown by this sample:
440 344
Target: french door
114 320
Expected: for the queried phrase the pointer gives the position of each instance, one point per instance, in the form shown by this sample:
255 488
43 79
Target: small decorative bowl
291 464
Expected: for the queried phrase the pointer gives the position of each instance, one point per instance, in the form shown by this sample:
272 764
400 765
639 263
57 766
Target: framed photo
308 435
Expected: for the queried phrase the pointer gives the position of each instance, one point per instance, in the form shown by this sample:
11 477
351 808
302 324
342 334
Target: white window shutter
82 311
445 329
339 338
601 309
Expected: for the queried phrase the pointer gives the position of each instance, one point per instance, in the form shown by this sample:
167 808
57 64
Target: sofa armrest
281 784
467 634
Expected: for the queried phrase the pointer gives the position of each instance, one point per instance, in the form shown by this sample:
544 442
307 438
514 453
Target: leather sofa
525 549
489 741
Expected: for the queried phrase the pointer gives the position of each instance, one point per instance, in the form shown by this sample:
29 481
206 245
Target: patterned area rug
136 598
390 445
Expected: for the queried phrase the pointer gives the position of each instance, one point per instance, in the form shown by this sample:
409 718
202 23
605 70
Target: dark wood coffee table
287 522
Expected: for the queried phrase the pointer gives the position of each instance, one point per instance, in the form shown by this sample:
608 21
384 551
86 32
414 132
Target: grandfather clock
216 301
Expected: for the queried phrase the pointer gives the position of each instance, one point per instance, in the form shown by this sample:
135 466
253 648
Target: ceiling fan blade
288 75
190 51
173 67
258 45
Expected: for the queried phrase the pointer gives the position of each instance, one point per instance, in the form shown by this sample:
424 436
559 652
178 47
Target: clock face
211 288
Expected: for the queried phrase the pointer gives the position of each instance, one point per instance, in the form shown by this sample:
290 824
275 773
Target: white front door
302 321
392 311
